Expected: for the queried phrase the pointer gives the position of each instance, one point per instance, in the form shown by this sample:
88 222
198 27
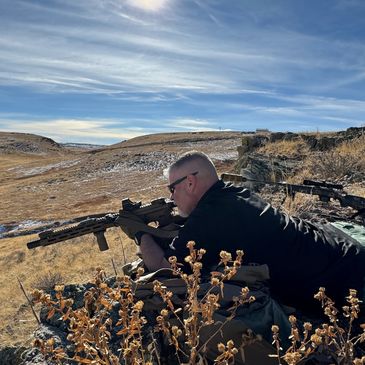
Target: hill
84 181
176 138
25 143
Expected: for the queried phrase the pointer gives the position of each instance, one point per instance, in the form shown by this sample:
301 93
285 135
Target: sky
100 71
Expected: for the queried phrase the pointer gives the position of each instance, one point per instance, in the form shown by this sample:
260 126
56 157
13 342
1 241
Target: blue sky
100 71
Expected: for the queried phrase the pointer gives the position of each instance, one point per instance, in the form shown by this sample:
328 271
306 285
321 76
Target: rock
32 356
263 168
10 355
327 143
288 136
251 142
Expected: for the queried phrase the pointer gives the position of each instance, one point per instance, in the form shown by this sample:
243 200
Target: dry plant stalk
331 337
198 312
90 326
28 300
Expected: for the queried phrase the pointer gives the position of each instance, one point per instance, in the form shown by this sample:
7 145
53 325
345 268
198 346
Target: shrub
335 341
48 281
90 326
345 160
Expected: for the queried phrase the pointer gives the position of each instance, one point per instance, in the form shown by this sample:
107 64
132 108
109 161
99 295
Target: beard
182 214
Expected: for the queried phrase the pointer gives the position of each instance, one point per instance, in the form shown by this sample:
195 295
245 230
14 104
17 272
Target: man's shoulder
222 190
221 201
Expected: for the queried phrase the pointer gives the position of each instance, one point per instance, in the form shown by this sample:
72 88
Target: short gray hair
190 157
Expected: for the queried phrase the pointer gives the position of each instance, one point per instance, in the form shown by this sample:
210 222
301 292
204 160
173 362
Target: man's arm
152 254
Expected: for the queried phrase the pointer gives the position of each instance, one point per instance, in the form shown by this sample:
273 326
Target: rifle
324 190
159 211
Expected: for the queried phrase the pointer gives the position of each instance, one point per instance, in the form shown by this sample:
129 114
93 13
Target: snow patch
39 170
224 156
25 227
151 161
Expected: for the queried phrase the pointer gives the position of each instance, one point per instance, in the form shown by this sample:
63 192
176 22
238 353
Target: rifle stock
160 211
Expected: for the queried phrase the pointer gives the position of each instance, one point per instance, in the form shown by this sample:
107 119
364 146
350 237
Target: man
301 256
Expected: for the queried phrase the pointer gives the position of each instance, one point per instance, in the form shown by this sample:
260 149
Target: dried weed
90 327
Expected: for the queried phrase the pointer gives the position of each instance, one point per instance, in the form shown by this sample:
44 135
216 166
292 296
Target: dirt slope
53 186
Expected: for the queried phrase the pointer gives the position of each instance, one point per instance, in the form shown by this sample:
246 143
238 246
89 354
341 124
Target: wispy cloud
167 59
188 124
71 130
106 57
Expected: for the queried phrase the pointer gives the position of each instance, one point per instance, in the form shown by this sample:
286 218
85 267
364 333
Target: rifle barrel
324 190
93 225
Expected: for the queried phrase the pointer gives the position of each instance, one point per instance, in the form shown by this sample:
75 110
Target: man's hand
131 224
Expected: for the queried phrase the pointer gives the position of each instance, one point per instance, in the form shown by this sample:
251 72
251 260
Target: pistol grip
103 245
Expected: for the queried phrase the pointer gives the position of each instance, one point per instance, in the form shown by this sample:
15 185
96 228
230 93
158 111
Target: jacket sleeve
204 228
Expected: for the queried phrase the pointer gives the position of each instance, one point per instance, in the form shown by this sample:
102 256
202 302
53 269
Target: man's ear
191 182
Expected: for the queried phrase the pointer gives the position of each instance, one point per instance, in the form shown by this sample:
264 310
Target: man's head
189 178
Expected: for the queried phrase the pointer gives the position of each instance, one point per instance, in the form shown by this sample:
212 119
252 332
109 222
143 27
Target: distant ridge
175 138
82 146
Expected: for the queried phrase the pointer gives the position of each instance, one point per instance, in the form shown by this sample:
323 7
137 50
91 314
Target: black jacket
301 256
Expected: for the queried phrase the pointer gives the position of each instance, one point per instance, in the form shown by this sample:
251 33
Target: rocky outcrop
316 142
259 166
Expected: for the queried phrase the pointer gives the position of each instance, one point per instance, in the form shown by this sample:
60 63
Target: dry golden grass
75 260
353 147
344 160
289 148
345 164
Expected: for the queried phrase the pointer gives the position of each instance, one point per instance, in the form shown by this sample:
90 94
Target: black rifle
159 211
324 190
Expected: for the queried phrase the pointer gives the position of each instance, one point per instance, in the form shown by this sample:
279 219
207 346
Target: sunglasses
171 187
